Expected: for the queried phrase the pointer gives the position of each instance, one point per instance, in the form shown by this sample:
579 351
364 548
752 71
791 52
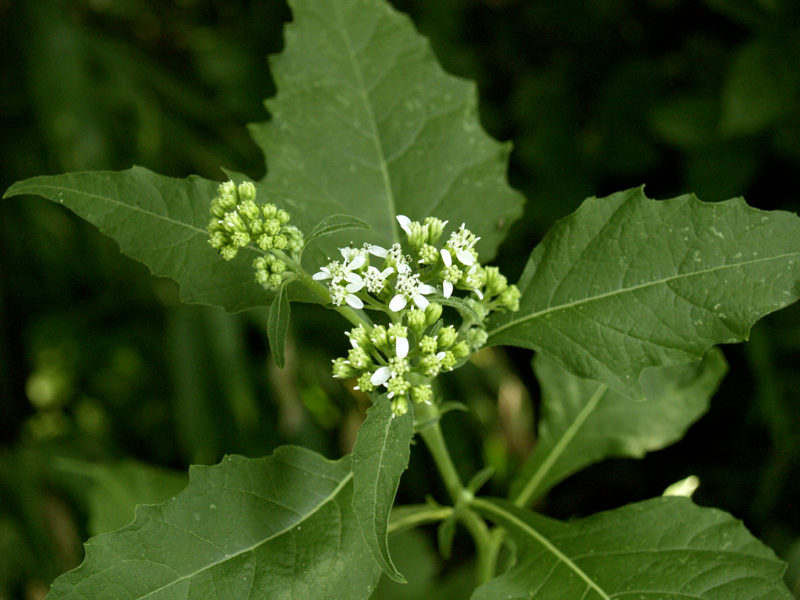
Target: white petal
398 303
479 293
378 251
321 275
354 287
465 257
380 376
354 301
401 347
448 289
421 301
386 272
404 223
426 289
357 262
403 268
446 258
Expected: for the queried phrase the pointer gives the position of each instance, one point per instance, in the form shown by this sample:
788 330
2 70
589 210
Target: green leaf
160 222
661 548
335 223
277 527
365 122
459 304
627 283
278 325
117 489
380 456
583 422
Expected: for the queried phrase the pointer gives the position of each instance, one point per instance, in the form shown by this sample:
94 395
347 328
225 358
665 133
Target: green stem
432 436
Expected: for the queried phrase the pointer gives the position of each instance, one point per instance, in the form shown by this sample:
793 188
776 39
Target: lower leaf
660 548
275 527
380 456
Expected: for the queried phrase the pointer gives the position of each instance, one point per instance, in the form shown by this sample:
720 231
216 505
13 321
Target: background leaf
660 548
627 283
380 456
278 325
366 122
280 526
161 222
583 422
116 490
335 223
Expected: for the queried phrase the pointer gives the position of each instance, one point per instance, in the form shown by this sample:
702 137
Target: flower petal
446 258
401 347
380 376
465 257
426 289
398 303
321 275
448 289
378 251
357 262
354 287
354 301
404 223
421 301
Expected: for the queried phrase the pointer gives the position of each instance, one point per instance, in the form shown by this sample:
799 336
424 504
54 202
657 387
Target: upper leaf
627 283
380 456
161 222
276 527
662 548
365 122
584 422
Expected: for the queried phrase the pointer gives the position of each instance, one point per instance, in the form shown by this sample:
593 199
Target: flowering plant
623 303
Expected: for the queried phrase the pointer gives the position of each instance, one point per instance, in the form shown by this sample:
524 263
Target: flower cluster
399 280
406 355
238 221
402 358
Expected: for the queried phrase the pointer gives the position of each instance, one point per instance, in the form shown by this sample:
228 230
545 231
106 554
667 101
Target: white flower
332 271
375 280
461 242
409 287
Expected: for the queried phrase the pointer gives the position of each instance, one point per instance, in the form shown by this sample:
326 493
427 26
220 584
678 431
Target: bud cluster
402 358
238 221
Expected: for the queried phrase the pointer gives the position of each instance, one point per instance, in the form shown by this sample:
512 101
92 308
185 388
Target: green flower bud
428 345
432 313
249 209
270 211
429 365
509 299
240 239
421 393
418 235
217 210
364 383
495 282
435 227
228 252
359 358
380 339
428 255
397 386
476 337
447 337
247 192
461 350
343 370
217 240
265 242
448 361
279 242
396 331
282 216
399 406
275 281
416 319
360 336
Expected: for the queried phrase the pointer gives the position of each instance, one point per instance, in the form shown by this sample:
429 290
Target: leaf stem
431 434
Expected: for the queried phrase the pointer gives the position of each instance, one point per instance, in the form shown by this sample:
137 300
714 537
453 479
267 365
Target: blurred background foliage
110 388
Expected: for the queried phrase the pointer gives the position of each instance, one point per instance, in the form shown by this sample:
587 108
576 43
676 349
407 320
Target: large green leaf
365 122
665 548
275 527
160 222
583 422
627 283
380 456
278 325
